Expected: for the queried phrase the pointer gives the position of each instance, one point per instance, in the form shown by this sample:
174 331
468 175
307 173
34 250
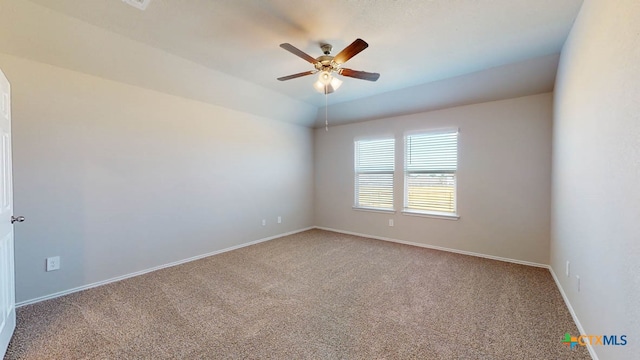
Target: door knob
17 219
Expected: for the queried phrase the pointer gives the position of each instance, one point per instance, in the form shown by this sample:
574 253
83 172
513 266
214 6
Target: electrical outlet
264 222
568 263
279 219
390 222
578 278
53 263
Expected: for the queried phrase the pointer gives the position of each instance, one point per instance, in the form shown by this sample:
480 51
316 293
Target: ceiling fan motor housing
326 63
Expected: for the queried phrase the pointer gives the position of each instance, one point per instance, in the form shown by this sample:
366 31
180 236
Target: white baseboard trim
122 277
463 252
521 262
592 352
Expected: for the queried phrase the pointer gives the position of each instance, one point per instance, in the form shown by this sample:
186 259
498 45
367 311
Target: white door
7 289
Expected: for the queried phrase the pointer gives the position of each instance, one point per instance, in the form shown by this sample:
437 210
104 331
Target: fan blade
350 51
296 75
295 51
359 74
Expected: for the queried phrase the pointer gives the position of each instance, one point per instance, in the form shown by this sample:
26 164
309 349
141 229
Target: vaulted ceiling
430 53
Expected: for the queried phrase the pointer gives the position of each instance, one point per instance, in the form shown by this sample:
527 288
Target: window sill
431 215
374 210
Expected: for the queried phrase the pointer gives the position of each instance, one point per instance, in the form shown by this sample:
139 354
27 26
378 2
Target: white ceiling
411 42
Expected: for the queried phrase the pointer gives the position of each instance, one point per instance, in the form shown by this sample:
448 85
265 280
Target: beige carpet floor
312 295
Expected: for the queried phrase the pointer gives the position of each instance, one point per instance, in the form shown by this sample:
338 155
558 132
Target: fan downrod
326 48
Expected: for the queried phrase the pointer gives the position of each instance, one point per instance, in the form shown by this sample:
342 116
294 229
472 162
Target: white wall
596 172
117 179
504 179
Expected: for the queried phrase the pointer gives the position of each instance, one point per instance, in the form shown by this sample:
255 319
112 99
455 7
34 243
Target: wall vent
138 4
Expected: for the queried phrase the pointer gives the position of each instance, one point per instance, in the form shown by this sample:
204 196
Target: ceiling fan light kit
138 4
326 83
327 64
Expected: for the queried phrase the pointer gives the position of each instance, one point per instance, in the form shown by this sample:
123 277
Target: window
374 166
430 164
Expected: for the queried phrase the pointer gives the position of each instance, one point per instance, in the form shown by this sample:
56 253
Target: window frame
392 172
429 213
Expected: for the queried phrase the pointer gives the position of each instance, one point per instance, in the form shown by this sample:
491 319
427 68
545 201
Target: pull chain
326 117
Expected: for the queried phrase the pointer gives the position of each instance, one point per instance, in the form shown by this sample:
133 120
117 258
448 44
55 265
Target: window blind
374 167
431 162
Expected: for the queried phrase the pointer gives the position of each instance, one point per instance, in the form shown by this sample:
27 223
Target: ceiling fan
327 64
